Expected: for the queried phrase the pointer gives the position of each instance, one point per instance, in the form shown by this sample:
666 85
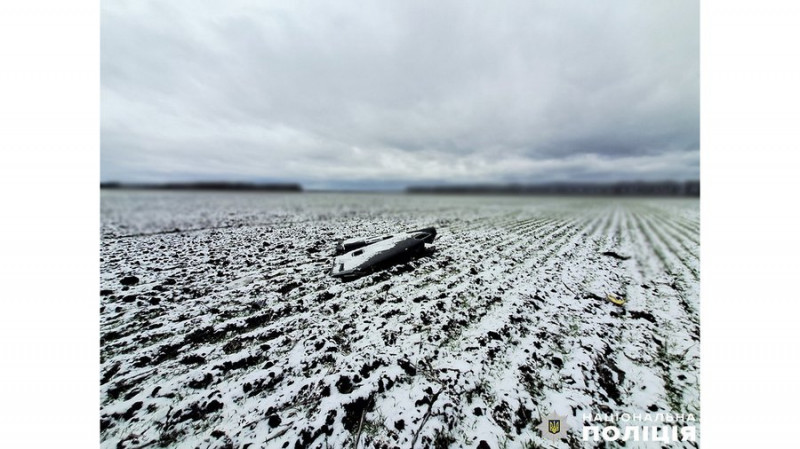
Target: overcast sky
371 94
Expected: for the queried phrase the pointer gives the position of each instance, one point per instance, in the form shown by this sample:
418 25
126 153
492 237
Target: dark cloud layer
371 94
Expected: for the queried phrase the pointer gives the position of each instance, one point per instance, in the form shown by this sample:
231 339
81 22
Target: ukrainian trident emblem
554 427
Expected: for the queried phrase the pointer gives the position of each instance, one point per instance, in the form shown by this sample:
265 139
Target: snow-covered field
220 326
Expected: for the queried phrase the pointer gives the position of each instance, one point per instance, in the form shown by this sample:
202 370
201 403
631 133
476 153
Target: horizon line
616 188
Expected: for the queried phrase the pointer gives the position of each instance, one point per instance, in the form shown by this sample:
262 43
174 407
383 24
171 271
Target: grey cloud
353 93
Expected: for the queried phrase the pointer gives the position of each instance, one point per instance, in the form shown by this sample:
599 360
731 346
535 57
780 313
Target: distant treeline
235 186
637 188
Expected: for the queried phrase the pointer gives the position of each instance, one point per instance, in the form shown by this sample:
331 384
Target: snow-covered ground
220 326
